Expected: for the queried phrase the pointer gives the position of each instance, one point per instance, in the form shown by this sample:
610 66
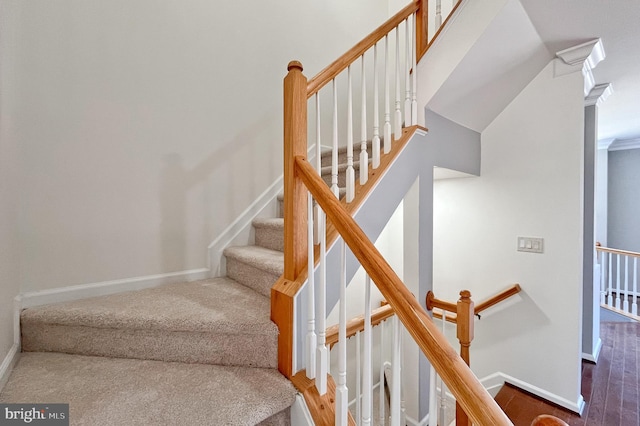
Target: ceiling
475 92
566 23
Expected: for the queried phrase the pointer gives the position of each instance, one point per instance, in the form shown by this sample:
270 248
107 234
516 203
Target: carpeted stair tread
217 304
216 321
268 260
269 233
110 391
254 266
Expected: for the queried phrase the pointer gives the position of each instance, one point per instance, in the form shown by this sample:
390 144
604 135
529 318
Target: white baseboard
8 363
300 415
498 379
596 353
239 231
83 291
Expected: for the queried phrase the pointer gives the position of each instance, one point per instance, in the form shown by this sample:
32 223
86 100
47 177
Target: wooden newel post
422 20
295 193
465 322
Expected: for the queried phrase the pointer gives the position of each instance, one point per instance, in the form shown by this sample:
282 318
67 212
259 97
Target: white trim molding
8 363
605 143
596 352
583 57
622 144
495 381
83 291
598 94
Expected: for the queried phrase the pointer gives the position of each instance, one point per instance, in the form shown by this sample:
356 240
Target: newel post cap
294 65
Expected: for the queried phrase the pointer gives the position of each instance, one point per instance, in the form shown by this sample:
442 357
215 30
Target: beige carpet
109 391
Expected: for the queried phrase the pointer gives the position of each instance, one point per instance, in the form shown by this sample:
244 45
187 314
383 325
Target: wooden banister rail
356 324
494 300
616 251
474 399
433 302
340 64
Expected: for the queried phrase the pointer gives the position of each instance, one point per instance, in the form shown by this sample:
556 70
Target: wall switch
531 244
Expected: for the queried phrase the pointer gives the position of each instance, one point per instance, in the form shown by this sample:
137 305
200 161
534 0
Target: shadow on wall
230 178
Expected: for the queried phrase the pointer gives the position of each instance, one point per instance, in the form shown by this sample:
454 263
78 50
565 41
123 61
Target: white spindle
334 152
364 156
387 108
414 78
433 399
397 129
438 14
342 393
395 375
318 166
443 406
312 338
375 141
367 382
407 75
381 390
602 275
609 287
617 281
625 304
350 174
322 355
358 378
634 305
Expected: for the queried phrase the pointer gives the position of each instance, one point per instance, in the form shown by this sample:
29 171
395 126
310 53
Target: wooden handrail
493 300
433 302
616 251
356 324
475 400
340 64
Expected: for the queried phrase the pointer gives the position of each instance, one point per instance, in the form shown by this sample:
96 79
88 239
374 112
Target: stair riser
271 238
283 418
252 277
171 346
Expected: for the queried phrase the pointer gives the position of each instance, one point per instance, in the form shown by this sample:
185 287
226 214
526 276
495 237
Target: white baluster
387 108
634 305
342 393
312 338
395 382
350 174
625 304
367 382
375 141
358 378
397 129
602 275
322 354
414 74
318 167
609 292
407 75
364 156
381 390
334 153
617 281
438 14
433 399
443 394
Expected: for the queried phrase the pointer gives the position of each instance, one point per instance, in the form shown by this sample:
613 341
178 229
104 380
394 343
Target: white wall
602 175
623 231
530 185
9 191
146 127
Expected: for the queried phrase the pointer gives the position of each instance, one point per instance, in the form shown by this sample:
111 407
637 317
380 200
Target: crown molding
598 94
605 143
583 57
622 144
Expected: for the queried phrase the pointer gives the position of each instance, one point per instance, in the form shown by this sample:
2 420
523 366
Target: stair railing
619 279
463 313
309 202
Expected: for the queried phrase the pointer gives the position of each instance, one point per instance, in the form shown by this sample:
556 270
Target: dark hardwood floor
610 387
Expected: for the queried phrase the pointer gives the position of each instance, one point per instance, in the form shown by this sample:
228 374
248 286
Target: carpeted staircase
194 353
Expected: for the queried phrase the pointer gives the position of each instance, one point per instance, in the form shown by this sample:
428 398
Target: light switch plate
531 244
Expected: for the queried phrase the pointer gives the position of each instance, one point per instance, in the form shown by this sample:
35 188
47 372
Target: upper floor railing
619 279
